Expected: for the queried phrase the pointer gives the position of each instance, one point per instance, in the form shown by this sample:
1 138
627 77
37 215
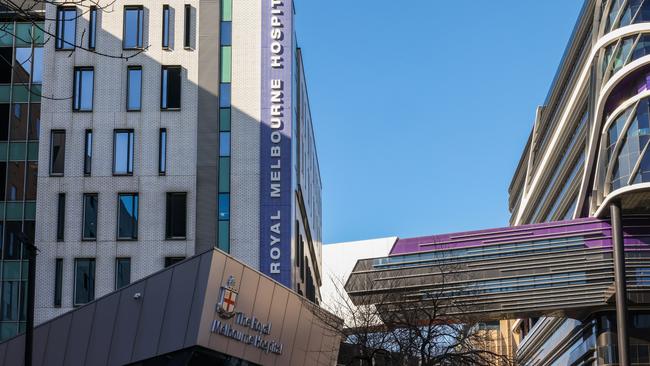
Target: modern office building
587 159
21 77
166 128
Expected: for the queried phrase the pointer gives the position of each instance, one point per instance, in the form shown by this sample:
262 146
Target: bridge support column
620 283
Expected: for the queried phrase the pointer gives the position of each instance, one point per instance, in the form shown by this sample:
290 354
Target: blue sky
422 108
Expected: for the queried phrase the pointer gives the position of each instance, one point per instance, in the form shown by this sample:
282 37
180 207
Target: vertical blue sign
275 146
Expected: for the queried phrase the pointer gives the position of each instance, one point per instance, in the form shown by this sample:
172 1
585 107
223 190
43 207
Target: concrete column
621 284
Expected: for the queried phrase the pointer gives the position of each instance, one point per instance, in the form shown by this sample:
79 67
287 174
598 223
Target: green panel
17 151
3 151
32 151
224 119
226 64
30 210
11 270
38 33
8 330
224 175
226 10
21 94
6 34
36 92
14 211
23 34
25 272
224 236
5 93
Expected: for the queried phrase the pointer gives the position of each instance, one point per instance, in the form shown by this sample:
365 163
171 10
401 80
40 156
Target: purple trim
597 233
275 141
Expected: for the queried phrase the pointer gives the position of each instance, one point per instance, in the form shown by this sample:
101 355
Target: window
89 231
88 152
92 28
176 223
165 26
123 152
224 206
133 27
162 152
187 40
57 152
58 282
84 280
66 28
122 272
224 143
127 216
134 88
170 261
60 218
170 93
82 95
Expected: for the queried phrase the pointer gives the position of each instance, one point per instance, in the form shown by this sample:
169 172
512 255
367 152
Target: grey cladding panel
3 352
102 332
15 351
177 308
40 337
126 325
79 335
151 318
200 286
56 344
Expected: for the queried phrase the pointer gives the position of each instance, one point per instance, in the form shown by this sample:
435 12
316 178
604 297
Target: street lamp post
31 250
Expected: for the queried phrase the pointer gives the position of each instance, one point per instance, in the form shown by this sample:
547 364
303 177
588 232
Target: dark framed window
224 206
134 88
187 36
224 143
60 218
162 152
92 28
170 261
133 27
57 152
82 94
123 152
58 282
90 206
127 216
226 33
170 91
66 27
88 152
122 272
84 280
166 20
176 219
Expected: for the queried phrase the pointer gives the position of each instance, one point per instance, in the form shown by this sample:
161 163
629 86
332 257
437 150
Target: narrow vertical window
170 93
134 88
127 216
60 218
123 152
165 26
187 41
82 94
176 223
58 282
92 28
224 143
88 152
162 152
122 272
84 280
224 206
66 28
90 203
57 152
133 27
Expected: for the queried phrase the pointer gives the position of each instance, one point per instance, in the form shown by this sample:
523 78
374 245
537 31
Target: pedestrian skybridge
561 268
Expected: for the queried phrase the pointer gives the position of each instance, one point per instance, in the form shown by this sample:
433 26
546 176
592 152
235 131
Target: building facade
164 133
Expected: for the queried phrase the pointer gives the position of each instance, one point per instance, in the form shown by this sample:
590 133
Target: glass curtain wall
223 233
21 71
